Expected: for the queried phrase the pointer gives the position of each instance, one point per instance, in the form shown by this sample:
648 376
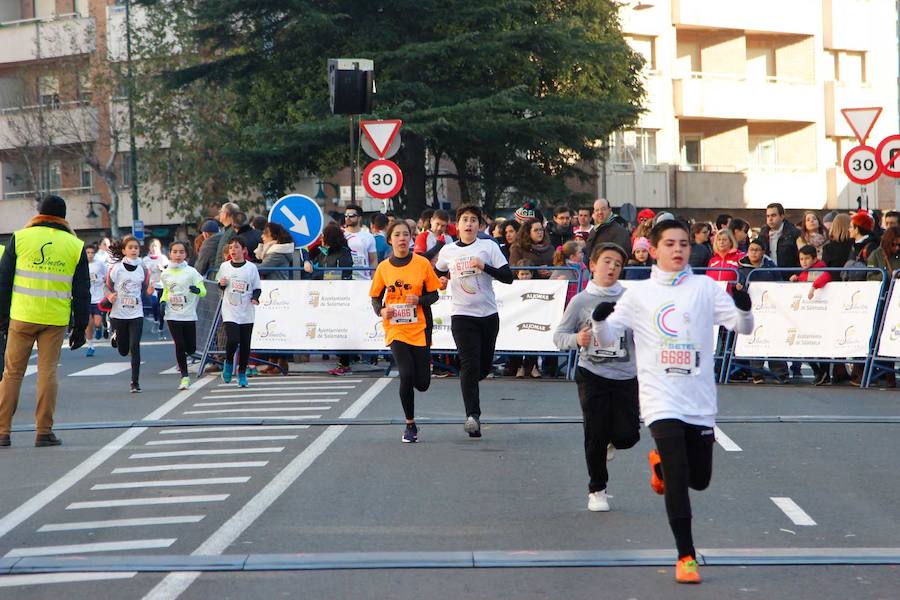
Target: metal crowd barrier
889 363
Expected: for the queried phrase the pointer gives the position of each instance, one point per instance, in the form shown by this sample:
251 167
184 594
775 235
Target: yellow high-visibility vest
46 259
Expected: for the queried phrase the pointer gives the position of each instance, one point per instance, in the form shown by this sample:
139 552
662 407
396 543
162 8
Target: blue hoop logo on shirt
663 314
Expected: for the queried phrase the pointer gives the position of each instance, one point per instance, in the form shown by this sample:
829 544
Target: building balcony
706 96
39 39
765 16
794 187
839 96
18 207
51 125
846 24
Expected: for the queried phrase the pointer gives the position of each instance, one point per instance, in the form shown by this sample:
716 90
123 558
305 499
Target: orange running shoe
687 571
656 480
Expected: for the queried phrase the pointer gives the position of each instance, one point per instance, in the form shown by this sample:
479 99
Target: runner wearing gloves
239 282
472 265
672 315
606 375
403 289
181 291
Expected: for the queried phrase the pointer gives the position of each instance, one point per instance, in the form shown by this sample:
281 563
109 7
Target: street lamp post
135 212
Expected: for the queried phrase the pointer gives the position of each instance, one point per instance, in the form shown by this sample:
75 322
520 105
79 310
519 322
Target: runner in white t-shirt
472 264
360 242
97 269
239 282
673 315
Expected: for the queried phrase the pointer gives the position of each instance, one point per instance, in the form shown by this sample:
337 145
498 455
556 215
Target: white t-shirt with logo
97 270
361 244
236 305
128 286
155 266
471 289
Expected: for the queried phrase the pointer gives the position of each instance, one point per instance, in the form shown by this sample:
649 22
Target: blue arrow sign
301 216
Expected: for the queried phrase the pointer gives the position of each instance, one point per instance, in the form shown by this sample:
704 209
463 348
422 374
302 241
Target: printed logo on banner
438 325
311 330
538 296
850 337
801 303
271 331
765 304
377 331
795 338
315 331
792 336
272 299
527 326
895 332
758 338
856 304
317 299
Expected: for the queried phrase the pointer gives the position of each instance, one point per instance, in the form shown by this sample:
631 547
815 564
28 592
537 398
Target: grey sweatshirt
615 362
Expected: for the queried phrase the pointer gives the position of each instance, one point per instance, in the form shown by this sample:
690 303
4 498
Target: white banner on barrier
338 315
836 323
889 345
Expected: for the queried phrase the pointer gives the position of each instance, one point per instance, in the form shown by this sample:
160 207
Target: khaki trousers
20 342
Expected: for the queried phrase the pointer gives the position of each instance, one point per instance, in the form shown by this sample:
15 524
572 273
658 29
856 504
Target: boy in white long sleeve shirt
673 315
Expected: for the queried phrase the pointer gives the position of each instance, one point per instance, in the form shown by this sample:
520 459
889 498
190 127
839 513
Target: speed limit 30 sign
382 179
861 165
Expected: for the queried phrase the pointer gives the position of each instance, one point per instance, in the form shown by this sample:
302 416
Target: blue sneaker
410 434
242 380
90 352
227 370
98 334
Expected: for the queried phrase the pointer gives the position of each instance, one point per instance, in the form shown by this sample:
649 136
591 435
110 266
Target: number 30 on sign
382 179
861 165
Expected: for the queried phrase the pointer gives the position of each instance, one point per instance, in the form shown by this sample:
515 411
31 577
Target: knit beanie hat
529 210
829 217
53 206
664 216
863 220
640 243
210 226
645 214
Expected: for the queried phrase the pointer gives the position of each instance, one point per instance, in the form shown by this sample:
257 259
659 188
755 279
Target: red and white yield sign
381 134
382 179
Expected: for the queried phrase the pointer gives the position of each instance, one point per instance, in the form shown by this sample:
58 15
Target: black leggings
237 339
476 338
611 414
686 454
184 334
128 341
414 365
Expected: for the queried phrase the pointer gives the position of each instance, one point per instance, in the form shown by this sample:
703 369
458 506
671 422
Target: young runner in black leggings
472 264
182 288
403 289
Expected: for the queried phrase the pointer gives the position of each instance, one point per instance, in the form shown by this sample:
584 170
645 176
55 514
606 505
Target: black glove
194 289
742 299
603 310
76 339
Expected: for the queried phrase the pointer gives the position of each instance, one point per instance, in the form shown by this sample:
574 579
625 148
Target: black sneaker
410 434
46 439
106 335
473 426
135 388
5 441
823 379
112 340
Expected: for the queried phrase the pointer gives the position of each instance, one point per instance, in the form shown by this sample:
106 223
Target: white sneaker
520 373
535 372
598 502
610 452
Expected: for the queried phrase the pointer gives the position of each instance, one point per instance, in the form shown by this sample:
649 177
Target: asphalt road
281 494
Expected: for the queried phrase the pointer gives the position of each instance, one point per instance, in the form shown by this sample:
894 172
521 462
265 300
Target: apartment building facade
54 113
744 99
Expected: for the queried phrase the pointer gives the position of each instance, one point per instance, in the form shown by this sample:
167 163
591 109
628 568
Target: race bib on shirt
678 361
239 286
404 314
360 260
177 301
128 301
615 350
464 267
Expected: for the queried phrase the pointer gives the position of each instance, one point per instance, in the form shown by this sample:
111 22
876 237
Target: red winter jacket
822 277
729 261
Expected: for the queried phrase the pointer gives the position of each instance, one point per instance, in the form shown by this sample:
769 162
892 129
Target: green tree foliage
516 93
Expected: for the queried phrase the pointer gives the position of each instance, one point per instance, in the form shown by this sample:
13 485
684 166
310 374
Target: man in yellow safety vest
44 278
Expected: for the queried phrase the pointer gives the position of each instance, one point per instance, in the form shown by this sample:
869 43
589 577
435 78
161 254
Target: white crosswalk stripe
95 547
252 464
147 501
48 578
169 483
268 395
253 402
103 369
206 452
249 438
79 525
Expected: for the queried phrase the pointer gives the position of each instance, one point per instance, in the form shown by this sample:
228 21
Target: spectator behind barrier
887 255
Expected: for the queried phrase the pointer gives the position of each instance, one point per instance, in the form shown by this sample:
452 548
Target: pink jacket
729 261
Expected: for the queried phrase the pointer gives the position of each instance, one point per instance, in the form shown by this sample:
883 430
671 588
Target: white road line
207 452
268 395
44 579
267 417
169 483
248 438
95 547
191 467
793 511
291 388
300 381
79 525
252 409
254 402
183 430
148 501
726 442
175 583
176 370
55 489
103 369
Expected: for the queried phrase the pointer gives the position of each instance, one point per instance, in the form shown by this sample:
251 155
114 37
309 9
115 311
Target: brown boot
46 439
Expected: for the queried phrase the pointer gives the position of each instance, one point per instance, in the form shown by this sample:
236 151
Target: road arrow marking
299 225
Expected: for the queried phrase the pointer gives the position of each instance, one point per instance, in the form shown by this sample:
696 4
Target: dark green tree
516 93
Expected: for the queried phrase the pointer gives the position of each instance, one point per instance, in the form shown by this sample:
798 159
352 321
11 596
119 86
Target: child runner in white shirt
97 269
182 289
126 281
239 282
672 315
606 375
155 262
473 264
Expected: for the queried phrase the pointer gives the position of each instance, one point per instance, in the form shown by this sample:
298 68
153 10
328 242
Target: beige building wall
744 102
